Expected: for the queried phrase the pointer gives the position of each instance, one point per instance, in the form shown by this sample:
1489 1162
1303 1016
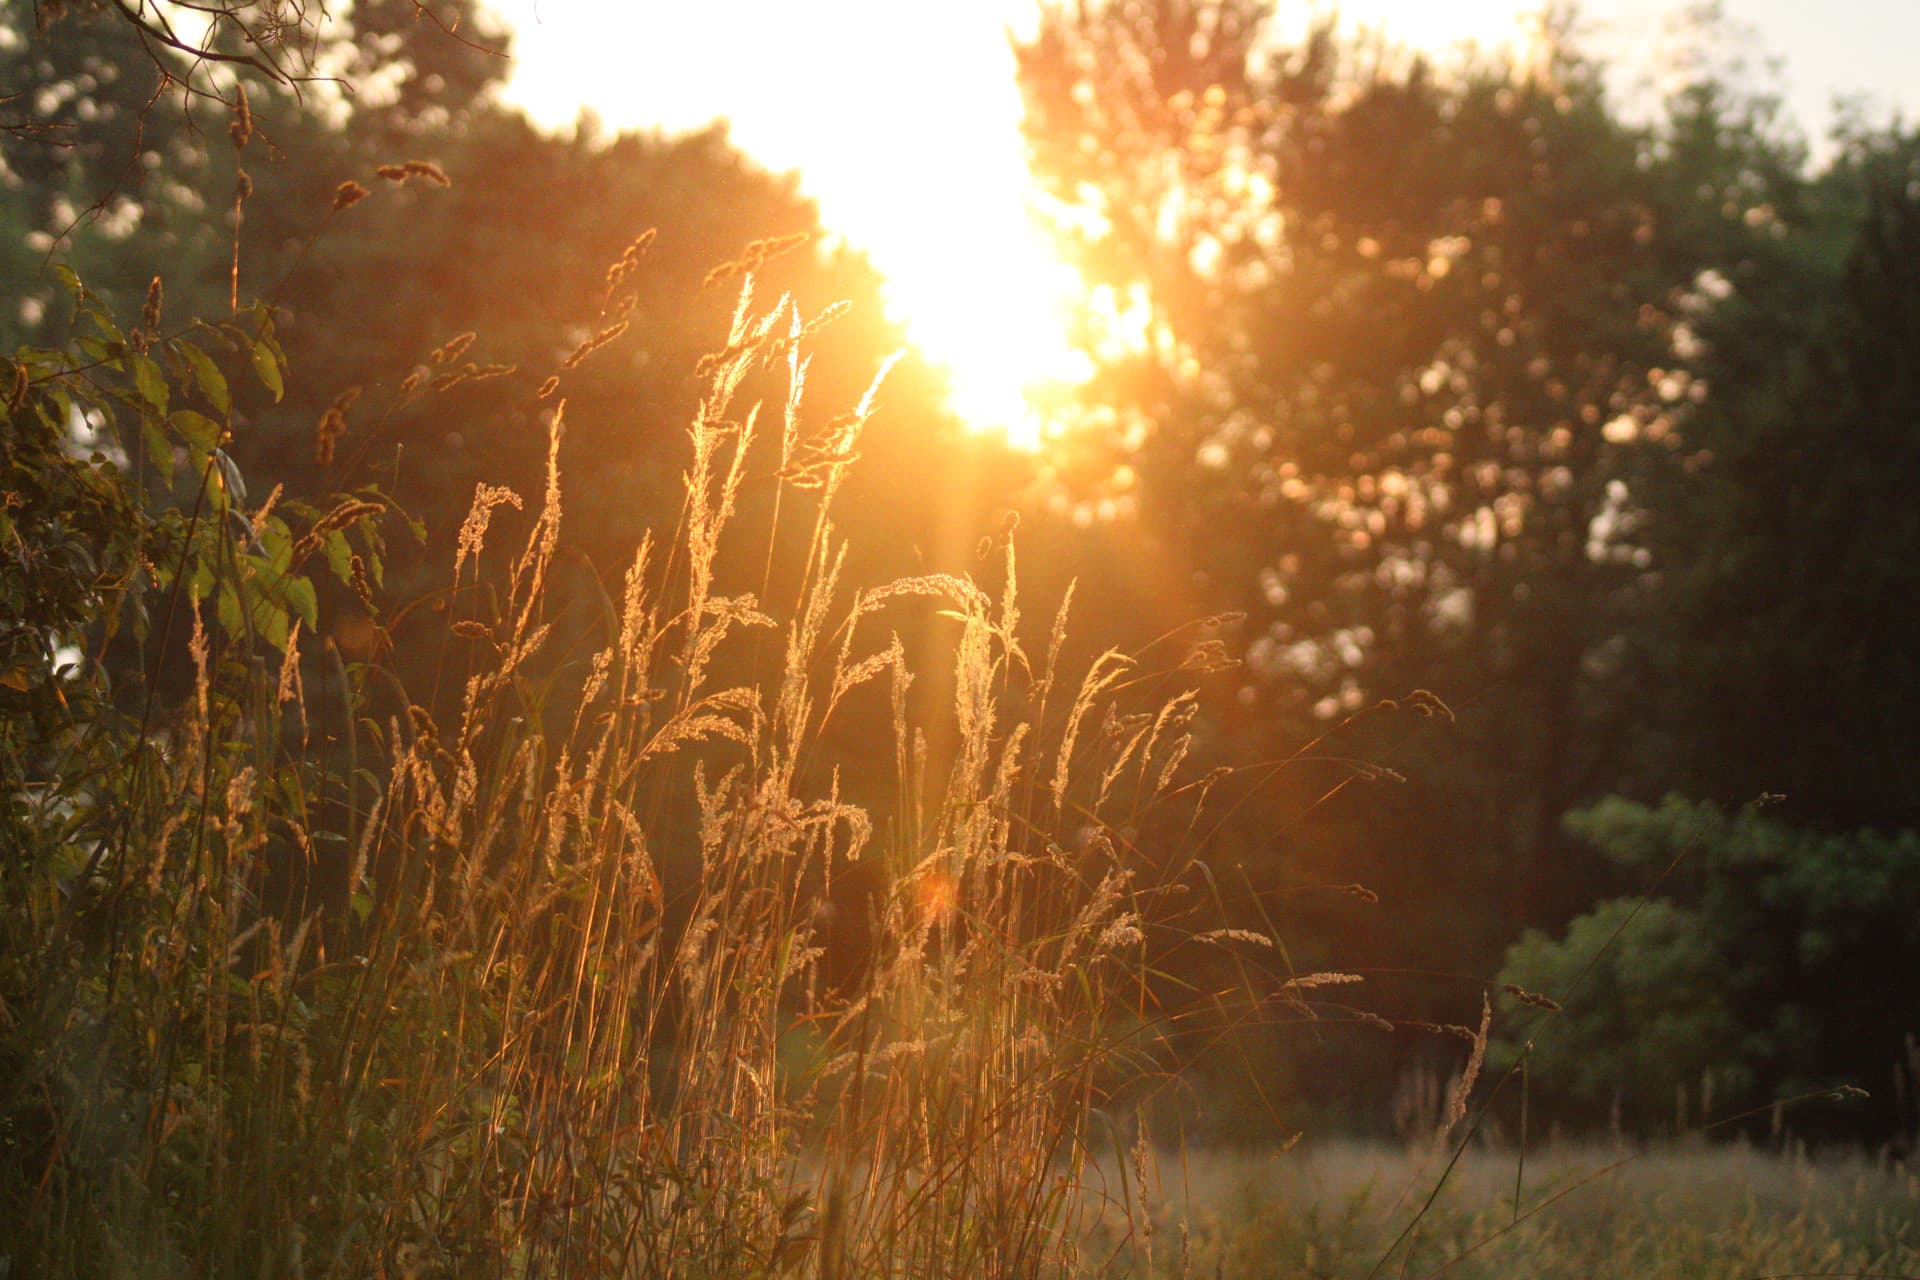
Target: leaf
106 354
232 619
201 433
230 476
159 448
150 381
339 556
300 595
276 541
212 382
104 323
200 581
273 626
267 366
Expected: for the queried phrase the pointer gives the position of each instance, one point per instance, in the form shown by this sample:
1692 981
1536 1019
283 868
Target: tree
1789 668
1767 960
1412 346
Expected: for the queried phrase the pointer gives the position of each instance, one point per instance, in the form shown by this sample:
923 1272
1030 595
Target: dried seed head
452 349
414 169
756 255
1533 998
427 169
594 343
357 573
628 261
241 130
332 426
347 195
1453 1029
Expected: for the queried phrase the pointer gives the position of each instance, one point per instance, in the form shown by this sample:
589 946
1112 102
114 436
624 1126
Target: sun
903 121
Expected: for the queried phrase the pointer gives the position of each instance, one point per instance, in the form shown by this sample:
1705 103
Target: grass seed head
150 313
241 128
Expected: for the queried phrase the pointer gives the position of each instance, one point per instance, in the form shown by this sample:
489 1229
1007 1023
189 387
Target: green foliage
91 429
1769 963
1788 669
1334 1209
1420 336
1460 377
1646 1016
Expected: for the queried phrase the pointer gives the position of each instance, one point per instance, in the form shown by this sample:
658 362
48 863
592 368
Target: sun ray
903 121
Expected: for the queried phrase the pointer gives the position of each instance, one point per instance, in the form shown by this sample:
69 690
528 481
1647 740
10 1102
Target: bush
1762 964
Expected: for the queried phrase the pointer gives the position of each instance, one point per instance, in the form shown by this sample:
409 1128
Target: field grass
1336 1209
532 977
539 967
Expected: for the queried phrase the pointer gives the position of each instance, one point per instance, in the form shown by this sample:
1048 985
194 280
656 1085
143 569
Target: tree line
1457 377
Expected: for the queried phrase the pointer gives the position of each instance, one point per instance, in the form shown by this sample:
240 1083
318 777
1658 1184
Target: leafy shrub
1647 1020
1765 962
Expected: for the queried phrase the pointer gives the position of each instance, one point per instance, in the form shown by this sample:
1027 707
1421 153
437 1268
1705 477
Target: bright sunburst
903 120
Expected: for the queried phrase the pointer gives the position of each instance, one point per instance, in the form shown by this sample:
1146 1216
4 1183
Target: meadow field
1339 1208
539 739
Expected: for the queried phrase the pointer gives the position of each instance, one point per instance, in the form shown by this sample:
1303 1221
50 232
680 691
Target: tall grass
1726 1212
553 996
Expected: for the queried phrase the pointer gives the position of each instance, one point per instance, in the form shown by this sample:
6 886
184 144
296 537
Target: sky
902 118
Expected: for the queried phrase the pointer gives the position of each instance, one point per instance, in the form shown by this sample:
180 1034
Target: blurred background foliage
1455 378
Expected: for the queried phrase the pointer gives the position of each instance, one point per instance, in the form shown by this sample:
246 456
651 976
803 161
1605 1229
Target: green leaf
104 323
339 556
277 542
300 595
267 366
213 383
273 625
201 433
150 381
232 617
200 581
106 354
159 448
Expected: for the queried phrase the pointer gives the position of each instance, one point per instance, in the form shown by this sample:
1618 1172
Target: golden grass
568 1013
1334 1209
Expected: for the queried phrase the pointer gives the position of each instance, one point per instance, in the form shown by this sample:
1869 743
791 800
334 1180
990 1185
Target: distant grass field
1696 1213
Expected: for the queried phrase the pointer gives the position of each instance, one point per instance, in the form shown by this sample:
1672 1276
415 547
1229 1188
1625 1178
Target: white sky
903 119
